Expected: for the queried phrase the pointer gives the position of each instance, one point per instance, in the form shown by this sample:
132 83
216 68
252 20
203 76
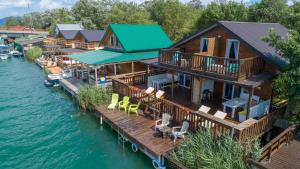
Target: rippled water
42 128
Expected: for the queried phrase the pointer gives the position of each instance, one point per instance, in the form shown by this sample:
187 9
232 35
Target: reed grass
202 150
33 53
93 95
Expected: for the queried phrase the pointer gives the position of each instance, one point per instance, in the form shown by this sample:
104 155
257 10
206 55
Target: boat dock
138 130
68 86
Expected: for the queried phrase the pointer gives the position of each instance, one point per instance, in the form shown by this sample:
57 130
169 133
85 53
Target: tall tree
131 13
288 83
176 18
269 11
222 10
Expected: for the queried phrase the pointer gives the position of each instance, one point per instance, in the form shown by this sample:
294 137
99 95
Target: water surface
42 127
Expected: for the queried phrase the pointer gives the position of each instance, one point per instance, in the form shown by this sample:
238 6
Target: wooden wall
106 40
217 44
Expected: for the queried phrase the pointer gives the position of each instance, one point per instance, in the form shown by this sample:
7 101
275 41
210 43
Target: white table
233 104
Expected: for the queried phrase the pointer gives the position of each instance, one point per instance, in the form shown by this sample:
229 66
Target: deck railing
261 126
234 69
274 145
86 45
179 113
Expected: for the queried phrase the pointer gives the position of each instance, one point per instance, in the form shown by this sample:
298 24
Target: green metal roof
134 37
99 57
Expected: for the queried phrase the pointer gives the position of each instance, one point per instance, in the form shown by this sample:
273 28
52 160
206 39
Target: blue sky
19 7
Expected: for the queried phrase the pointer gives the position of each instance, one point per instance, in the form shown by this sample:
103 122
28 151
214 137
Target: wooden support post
96 78
101 119
271 102
172 88
147 74
88 73
251 91
132 67
115 69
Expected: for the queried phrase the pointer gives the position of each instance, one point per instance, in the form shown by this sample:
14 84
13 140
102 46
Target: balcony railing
86 45
235 69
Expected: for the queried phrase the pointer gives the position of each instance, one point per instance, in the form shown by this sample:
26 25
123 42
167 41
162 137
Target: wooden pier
135 129
69 87
138 130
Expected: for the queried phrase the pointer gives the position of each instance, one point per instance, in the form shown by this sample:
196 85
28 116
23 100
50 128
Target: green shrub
202 150
34 53
93 95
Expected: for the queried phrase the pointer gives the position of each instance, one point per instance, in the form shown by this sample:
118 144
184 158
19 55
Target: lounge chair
204 109
114 101
133 108
124 103
219 114
149 90
163 122
159 94
180 131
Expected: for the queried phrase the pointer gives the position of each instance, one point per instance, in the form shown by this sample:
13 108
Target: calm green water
42 128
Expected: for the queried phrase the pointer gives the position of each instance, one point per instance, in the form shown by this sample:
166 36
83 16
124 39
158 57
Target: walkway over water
287 157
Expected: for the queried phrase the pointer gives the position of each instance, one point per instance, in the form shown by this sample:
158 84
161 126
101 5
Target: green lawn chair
124 103
114 101
133 108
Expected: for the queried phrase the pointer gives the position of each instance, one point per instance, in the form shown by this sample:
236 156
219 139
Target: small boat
4 56
52 80
15 53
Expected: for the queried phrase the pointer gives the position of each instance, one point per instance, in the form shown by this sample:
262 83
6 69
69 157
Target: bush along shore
93 96
203 150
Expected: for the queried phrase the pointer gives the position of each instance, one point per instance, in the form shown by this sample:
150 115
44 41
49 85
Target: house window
204 45
232 49
231 91
111 40
184 80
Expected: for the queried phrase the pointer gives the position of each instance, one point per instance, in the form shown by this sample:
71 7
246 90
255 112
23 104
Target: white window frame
228 46
202 44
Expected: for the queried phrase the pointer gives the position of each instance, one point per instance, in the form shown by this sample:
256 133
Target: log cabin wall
106 40
79 38
217 44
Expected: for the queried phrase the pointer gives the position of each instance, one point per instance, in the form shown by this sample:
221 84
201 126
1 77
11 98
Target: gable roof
251 33
135 37
62 27
69 34
92 35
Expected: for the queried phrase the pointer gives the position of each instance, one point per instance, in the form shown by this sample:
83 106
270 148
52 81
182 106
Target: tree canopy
177 18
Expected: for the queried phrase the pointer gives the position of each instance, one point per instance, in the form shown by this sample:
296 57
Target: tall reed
93 95
202 150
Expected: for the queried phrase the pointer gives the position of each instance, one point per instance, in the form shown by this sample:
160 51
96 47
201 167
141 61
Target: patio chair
163 122
149 90
133 108
180 131
204 109
124 103
159 94
219 114
114 101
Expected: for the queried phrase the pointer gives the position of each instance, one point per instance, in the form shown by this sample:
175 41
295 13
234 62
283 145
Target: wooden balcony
127 86
86 45
233 69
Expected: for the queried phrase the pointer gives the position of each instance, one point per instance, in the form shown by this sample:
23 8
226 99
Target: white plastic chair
181 133
163 122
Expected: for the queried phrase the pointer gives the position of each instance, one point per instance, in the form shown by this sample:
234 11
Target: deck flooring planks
287 157
139 129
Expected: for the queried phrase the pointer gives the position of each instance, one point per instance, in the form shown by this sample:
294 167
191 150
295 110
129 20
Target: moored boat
52 80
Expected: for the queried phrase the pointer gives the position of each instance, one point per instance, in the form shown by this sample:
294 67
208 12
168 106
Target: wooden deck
139 130
69 85
287 157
